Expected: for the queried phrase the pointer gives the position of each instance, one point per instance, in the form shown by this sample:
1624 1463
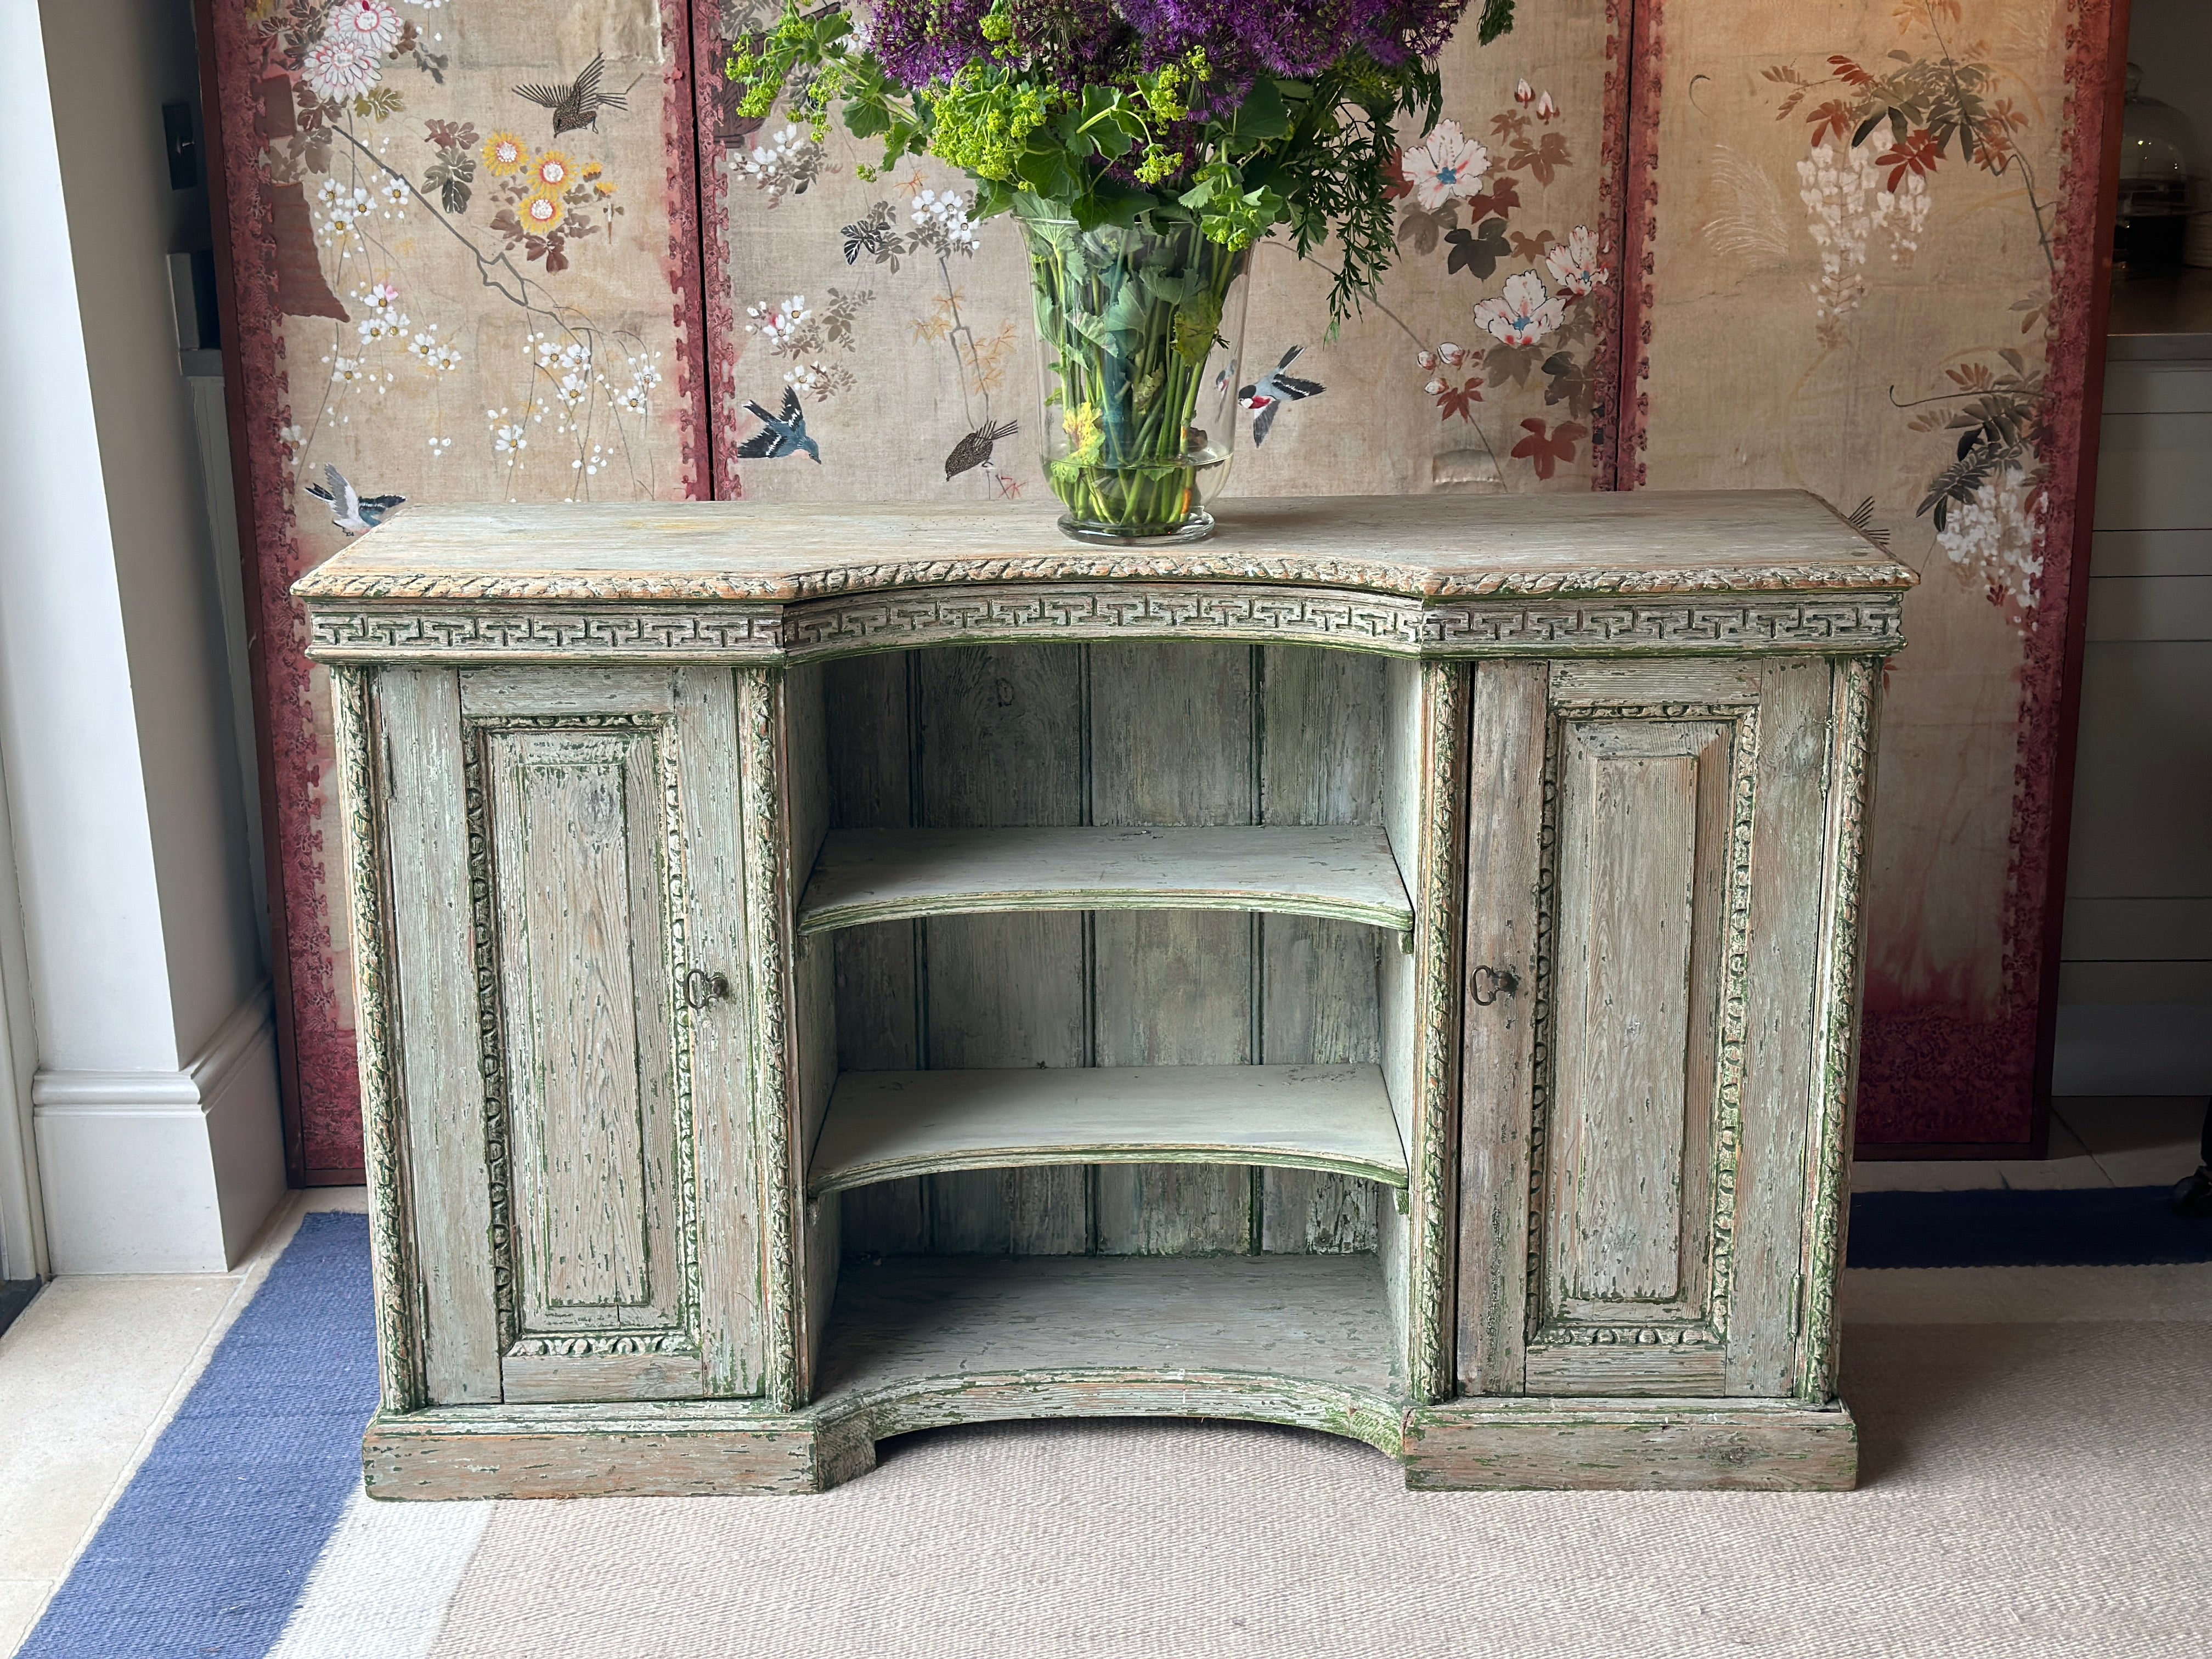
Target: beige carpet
2032 1490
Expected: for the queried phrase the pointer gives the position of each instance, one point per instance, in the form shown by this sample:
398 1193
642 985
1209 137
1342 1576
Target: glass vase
1142 335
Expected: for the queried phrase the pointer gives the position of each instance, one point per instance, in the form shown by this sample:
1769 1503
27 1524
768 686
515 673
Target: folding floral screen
528 251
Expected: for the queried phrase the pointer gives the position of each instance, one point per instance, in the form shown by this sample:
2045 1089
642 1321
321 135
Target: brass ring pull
701 987
1487 984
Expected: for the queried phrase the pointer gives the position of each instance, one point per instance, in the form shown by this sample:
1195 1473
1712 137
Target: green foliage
1314 156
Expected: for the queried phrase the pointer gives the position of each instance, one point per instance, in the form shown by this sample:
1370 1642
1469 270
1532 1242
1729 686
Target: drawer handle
701 987
1487 984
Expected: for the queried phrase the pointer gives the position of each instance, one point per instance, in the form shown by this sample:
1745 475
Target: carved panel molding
681 1338
1548 1325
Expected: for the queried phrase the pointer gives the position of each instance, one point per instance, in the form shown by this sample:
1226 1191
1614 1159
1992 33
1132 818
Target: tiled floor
2095 1142
89 1373
95 1366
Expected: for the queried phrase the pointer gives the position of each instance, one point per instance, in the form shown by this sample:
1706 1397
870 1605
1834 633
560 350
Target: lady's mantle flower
542 214
1525 314
1085 435
369 25
335 68
1449 164
504 154
1574 262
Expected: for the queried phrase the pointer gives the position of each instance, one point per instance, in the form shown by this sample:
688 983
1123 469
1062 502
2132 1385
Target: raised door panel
602 838
579 852
1635 1139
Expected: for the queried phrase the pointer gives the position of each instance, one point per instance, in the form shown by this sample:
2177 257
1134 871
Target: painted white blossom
335 67
367 25
1996 537
1524 314
944 217
1843 195
783 164
776 323
381 326
1906 216
395 196
435 354
508 437
569 356
1574 264
340 205
1448 164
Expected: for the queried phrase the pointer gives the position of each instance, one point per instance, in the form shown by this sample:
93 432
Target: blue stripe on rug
2085 1227
207 1549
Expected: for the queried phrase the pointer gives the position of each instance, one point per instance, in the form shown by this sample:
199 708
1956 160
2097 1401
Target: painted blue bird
1266 397
780 435
352 511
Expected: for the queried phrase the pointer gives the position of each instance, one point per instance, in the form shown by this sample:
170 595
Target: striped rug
2038 1482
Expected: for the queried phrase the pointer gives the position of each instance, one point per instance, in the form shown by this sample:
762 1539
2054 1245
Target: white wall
155 1112
2135 989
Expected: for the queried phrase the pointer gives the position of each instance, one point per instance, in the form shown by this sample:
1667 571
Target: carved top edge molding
660 587
1855 622
1586 544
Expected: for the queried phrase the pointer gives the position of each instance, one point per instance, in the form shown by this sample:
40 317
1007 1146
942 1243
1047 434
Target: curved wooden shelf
884 1125
1345 870
929 1341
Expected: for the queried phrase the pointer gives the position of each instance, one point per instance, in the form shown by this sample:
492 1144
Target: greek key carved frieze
405 631
882 621
889 620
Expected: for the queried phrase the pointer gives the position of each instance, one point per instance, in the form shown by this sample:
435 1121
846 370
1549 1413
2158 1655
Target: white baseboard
2133 1048
152 1172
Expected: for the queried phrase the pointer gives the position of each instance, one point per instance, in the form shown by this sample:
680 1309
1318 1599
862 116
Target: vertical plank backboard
434 970
1782 987
1171 743
1320 761
1001 742
868 719
1505 821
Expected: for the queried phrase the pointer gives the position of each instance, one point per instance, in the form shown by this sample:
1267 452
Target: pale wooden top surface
1422 546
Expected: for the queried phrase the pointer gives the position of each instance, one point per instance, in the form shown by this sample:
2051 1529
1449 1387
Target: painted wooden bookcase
827 972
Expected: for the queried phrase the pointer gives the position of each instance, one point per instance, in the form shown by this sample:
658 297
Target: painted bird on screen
975 450
577 104
352 511
1267 396
780 435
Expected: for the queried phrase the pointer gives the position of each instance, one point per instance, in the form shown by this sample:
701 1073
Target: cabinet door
565 891
1635 1105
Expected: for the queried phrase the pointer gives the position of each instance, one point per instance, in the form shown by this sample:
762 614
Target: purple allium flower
1073 43
919 41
